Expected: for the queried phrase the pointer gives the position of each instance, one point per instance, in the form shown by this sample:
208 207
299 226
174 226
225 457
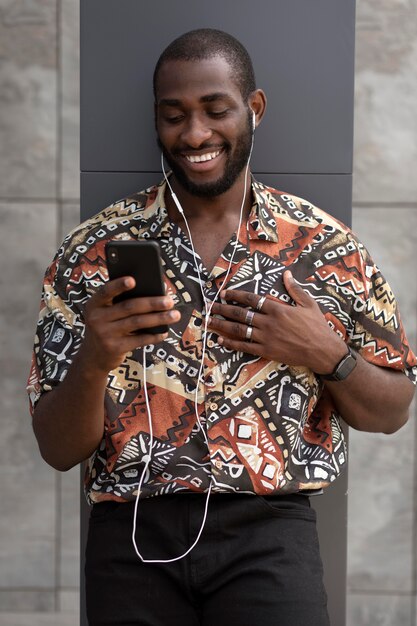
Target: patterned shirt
272 428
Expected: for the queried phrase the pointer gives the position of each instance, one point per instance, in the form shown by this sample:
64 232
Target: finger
235 313
295 290
140 306
112 288
134 323
232 329
240 346
245 298
132 342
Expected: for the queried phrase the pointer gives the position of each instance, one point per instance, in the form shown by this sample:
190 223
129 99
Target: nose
195 132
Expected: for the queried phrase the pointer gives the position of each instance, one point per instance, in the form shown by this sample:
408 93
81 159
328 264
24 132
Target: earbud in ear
253 121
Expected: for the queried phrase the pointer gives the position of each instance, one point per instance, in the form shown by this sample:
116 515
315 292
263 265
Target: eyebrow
212 97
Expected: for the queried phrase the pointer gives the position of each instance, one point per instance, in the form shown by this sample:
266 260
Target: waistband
298 498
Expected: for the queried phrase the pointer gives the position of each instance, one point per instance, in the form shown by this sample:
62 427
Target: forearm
373 398
69 420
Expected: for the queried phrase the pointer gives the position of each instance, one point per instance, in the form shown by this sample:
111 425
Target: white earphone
207 307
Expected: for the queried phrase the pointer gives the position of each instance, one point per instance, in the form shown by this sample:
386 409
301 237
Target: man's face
203 125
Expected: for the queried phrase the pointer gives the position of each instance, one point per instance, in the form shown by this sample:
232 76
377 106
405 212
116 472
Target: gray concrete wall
39 202
382 554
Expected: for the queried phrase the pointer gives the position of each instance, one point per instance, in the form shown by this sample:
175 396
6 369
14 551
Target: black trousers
257 563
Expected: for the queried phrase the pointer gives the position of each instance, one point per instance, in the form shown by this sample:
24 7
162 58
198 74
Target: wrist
329 354
89 364
343 368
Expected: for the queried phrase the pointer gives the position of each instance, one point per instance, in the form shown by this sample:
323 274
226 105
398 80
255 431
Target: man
279 325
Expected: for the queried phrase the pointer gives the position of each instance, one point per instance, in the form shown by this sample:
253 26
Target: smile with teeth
202 157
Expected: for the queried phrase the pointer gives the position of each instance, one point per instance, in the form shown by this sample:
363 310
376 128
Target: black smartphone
142 260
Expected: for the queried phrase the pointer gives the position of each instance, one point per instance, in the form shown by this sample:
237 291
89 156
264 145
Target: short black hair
205 43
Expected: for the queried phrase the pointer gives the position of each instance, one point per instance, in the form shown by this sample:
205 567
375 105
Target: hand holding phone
114 328
142 261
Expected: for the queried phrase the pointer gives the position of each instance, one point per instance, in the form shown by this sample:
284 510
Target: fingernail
220 340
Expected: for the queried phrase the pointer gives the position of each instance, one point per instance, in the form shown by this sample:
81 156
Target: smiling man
205 164
279 325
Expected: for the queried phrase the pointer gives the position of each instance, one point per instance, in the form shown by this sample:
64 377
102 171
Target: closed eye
174 120
219 114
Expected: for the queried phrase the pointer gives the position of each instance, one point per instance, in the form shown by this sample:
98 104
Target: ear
257 102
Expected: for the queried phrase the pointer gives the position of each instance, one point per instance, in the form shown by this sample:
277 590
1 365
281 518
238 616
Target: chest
210 240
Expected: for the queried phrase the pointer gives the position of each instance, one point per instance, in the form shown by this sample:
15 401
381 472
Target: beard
235 162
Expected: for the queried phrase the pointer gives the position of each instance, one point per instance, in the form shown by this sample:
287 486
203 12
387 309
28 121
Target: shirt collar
154 222
261 222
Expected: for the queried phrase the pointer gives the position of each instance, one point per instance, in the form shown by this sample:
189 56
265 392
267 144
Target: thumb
112 288
295 290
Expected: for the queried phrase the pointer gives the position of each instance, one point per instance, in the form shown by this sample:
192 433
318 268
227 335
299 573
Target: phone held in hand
142 260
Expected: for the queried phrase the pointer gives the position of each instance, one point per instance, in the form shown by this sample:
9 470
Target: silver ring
249 317
249 332
260 303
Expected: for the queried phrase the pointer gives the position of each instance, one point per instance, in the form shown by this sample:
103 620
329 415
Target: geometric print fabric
271 428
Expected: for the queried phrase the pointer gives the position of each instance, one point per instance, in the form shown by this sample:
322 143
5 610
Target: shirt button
209 284
213 406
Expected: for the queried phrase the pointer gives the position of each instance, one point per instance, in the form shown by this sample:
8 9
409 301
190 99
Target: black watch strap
345 366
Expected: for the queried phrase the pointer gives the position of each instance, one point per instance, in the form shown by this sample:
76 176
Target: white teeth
203 157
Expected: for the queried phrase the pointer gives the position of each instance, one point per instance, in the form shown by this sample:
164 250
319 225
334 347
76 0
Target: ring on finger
260 303
249 317
249 332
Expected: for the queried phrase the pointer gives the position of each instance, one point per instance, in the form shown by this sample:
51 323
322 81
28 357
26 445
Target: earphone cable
208 307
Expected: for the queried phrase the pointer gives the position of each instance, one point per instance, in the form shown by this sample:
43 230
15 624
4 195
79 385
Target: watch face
344 368
348 364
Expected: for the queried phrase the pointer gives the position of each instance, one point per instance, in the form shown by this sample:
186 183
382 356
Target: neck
218 208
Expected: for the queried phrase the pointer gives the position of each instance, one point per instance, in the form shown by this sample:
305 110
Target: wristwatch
345 366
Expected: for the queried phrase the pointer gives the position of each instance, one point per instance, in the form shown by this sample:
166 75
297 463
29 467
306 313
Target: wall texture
382 510
39 202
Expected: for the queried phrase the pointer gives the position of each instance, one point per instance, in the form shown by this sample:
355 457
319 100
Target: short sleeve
78 269
377 332
60 327
360 306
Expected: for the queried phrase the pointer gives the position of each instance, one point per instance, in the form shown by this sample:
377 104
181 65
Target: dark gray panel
303 56
84 517
331 192
303 53
100 189
331 508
